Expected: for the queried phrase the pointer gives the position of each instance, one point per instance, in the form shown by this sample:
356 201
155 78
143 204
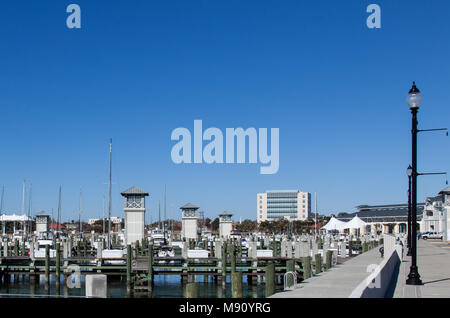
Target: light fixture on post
414 101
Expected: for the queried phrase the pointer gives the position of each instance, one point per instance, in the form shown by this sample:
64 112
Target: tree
247 226
215 225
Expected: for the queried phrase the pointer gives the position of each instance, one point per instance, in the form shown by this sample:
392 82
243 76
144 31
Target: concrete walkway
339 281
433 261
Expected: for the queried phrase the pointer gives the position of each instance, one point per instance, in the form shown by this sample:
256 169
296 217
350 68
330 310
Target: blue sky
136 70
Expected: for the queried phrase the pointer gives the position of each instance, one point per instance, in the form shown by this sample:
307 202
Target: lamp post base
414 277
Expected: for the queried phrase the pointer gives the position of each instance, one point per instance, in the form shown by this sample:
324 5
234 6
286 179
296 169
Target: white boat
109 255
40 252
158 238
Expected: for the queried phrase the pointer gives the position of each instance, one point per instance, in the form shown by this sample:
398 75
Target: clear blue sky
139 69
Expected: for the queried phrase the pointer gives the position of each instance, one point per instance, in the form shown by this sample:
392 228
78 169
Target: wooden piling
233 258
270 279
192 290
58 265
150 267
224 264
290 267
317 264
329 256
129 256
47 264
306 264
236 285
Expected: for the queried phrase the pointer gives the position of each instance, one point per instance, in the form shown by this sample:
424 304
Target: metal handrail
294 276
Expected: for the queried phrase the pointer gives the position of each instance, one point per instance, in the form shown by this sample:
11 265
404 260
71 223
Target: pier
227 260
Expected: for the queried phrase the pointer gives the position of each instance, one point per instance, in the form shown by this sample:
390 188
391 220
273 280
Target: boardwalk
433 261
338 282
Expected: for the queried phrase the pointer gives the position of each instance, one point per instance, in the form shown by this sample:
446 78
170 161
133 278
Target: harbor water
165 286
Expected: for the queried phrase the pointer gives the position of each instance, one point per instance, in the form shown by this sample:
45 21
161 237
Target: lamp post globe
409 171
414 98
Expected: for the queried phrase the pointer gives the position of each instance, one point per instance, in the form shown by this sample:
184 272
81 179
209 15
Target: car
432 235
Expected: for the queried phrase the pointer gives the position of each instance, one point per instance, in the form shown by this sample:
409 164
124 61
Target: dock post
274 247
328 259
129 267
233 258
23 248
306 264
290 267
236 284
150 267
192 290
58 265
270 279
47 265
317 264
137 249
224 264
16 247
5 248
350 247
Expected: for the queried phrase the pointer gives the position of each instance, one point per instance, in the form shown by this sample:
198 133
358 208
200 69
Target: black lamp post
409 173
414 100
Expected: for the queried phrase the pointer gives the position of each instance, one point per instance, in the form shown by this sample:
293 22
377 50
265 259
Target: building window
133 201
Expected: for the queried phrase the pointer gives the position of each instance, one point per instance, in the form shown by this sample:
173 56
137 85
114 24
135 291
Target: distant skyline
136 70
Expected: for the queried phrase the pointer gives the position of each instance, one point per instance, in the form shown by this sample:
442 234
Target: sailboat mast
103 215
23 197
159 213
109 199
81 209
30 209
317 224
164 222
1 204
59 211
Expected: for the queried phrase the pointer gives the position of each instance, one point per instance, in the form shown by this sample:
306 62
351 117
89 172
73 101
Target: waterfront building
384 219
134 210
189 221
432 216
225 224
279 204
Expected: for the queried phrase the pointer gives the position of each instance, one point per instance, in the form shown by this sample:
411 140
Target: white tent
334 224
355 223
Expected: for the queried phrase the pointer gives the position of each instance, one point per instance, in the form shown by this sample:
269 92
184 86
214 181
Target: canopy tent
334 224
355 223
